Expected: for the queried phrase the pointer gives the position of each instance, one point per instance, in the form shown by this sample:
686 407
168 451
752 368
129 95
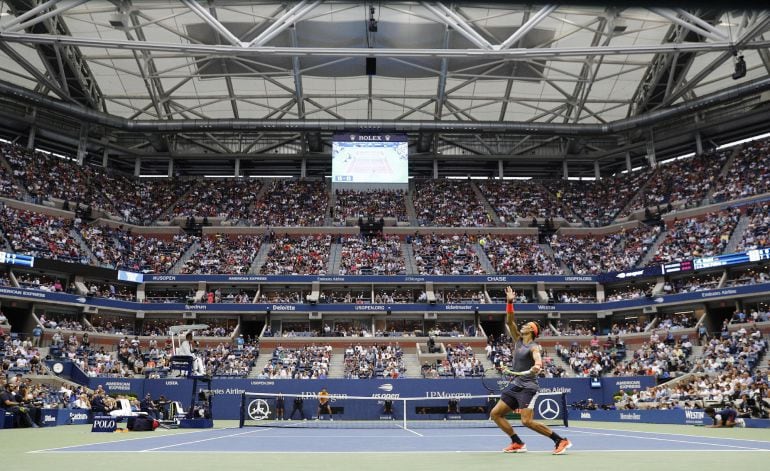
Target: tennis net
387 411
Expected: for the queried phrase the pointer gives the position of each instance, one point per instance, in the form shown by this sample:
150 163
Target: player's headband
535 328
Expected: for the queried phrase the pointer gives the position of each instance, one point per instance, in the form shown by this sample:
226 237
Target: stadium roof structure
481 88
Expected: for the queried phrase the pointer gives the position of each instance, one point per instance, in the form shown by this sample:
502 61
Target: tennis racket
497 379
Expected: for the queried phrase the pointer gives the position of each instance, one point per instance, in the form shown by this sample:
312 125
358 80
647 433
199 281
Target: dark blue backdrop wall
227 392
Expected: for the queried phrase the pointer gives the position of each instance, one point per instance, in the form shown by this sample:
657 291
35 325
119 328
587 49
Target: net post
242 412
403 412
565 409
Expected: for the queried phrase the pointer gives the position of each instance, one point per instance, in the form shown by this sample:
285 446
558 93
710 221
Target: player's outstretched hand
510 294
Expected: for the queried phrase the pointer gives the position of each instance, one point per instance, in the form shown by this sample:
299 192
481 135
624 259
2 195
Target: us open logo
548 409
259 409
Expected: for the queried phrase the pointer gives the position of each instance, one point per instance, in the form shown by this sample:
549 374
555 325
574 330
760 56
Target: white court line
199 441
667 433
44 450
671 440
412 431
391 453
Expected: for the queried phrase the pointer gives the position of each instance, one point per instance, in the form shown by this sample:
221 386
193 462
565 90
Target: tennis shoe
515 448
562 446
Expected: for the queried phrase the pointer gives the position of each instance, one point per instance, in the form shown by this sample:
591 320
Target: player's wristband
509 308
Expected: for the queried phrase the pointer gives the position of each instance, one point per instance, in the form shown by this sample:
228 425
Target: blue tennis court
443 440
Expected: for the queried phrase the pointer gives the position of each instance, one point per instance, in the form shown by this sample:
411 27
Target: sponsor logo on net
548 409
259 409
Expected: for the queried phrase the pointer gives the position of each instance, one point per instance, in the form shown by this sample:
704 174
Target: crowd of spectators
755 236
519 255
692 283
60 321
633 291
748 276
40 235
165 294
119 248
572 296
41 282
398 296
8 186
663 356
374 361
611 252
292 203
626 326
746 392
228 198
676 320
577 327
349 296
280 297
114 325
598 202
449 203
740 349
307 362
462 361
370 203
748 175
376 255
439 254
591 360
130 199
298 255
220 253
685 181
697 237
19 356
111 291
516 202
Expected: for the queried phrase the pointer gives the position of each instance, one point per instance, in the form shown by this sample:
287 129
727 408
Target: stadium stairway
263 186
483 259
260 258
728 165
653 249
185 257
412 365
557 361
167 214
337 365
549 251
84 247
409 263
488 207
328 220
626 210
737 234
5 243
411 213
335 259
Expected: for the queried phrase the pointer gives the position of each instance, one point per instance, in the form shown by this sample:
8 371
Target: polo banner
104 423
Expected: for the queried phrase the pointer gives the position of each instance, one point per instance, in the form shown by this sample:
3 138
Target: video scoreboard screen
370 158
17 259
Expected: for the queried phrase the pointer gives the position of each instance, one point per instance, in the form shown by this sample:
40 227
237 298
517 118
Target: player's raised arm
510 319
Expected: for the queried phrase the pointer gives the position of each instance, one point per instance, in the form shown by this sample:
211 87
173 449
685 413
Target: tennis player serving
527 363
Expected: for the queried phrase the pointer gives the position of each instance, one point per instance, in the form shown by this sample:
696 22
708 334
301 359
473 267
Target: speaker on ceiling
371 66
